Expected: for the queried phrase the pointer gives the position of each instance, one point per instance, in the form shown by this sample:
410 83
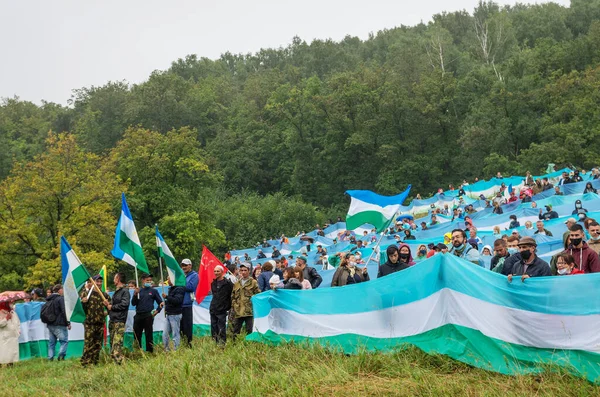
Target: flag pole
379 241
162 281
137 284
158 249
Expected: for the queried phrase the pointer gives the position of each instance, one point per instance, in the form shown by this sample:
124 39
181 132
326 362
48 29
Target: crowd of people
239 279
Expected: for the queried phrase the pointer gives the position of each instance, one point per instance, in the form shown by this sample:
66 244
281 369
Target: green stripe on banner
39 348
464 344
374 218
34 349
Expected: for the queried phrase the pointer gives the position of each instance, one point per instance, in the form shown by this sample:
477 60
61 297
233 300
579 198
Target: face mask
458 245
548 209
147 285
423 252
526 255
581 217
595 238
404 256
512 250
564 271
577 206
575 241
351 264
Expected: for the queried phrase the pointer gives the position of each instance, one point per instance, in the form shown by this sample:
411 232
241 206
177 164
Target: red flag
206 273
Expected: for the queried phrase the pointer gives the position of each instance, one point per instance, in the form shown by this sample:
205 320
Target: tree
64 191
167 172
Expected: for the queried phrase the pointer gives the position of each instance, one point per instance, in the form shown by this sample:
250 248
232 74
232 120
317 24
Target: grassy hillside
251 369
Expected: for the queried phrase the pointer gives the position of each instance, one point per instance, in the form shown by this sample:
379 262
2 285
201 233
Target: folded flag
206 274
74 276
367 207
127 245
104 274
176 275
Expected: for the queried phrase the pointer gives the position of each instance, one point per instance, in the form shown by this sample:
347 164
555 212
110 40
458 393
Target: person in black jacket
392 265
530 264
58 329
309 273
143 300
221 289
173 305
117 312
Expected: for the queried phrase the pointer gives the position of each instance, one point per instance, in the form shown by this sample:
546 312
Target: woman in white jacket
10 329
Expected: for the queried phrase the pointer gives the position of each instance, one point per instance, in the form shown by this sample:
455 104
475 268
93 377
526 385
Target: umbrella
307 238
11 296
405 216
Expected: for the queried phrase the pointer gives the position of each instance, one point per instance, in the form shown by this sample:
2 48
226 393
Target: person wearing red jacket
565 265
586 259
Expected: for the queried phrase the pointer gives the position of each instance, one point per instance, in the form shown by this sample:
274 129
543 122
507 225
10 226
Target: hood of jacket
410 260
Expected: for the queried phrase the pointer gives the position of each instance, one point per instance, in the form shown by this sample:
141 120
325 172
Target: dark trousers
238 322
144 324
218 327
187 324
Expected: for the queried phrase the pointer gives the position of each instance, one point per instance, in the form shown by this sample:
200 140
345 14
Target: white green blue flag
176 275
74 275
370 208
127 245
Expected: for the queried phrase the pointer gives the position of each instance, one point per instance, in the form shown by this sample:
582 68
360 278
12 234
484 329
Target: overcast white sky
49 47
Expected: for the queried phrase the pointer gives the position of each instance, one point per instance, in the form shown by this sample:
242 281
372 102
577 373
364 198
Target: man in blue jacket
191 283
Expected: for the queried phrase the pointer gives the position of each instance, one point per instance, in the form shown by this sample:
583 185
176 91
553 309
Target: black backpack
48 313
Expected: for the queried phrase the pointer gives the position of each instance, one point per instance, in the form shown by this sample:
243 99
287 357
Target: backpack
48 313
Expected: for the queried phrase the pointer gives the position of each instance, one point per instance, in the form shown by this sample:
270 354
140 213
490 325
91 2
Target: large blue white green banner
449 306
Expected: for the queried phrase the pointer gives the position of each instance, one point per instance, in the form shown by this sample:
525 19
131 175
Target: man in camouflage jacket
95 315
243 290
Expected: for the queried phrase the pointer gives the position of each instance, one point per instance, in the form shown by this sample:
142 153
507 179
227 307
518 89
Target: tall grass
250 369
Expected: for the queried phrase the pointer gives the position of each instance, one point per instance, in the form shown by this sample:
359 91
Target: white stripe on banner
36 330
444 307
357 206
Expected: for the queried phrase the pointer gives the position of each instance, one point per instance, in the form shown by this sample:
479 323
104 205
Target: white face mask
564 271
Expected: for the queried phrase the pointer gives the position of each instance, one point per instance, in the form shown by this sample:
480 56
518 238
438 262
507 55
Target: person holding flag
93 302
175 299
143 300
74 276
184 276
367 207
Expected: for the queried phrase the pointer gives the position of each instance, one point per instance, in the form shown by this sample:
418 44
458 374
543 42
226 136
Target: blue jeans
172 330
60 333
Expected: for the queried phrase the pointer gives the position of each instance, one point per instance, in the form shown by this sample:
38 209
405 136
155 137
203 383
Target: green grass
252 369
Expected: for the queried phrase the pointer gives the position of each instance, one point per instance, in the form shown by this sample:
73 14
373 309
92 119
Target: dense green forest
224 152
